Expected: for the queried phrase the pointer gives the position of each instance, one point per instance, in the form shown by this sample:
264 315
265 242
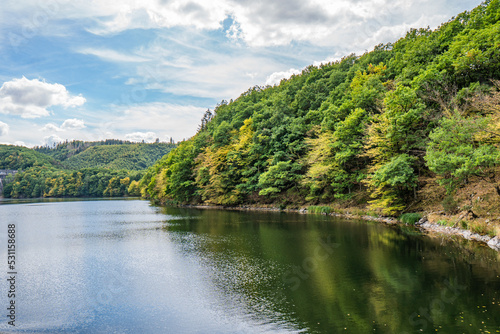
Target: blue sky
141 70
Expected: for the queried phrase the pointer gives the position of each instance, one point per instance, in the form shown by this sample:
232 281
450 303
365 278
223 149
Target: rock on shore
494 243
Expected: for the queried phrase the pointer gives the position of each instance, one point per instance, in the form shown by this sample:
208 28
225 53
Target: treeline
89 182
379 129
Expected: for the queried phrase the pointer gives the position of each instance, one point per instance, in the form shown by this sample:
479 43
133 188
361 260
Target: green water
328 275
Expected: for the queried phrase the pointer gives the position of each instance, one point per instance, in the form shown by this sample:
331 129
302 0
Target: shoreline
430 229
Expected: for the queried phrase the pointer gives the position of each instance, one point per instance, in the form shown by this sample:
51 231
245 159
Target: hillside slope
18 157
381 131
110 153
79 169
124 156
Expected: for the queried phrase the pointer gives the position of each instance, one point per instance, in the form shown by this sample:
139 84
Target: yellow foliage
386 201
319 159
125 181
245 135
214 163
376 146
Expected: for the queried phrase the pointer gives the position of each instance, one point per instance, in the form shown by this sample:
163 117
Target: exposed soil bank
424 225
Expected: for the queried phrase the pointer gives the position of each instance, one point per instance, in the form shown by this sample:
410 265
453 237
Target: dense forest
79 169
412 125
18 157
110 153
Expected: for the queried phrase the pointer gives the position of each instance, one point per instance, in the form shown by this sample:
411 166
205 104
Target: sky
146 69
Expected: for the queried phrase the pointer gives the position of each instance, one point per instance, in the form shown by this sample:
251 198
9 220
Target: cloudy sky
147 69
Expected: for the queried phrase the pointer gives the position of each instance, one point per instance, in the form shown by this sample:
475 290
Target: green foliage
397 130
18 157
43 176
320 209
394 138
455 152
442 222
396 173
410 218
279 178
90 182
172 177
123 156
391 182
464 225
134 189
334 161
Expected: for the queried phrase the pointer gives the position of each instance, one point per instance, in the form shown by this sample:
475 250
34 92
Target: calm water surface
127 267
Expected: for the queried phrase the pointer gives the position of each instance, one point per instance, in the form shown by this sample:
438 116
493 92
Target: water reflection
372 278
128 267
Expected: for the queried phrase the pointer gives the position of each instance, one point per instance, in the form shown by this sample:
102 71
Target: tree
455 152
134 189
279 178
391 181
393 137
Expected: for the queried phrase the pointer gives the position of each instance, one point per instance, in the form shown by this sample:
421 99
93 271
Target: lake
124 266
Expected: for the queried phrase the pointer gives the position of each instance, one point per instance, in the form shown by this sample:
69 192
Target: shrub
410 218
320 209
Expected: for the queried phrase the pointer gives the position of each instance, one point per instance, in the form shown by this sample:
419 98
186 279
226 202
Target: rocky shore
492 242
423 224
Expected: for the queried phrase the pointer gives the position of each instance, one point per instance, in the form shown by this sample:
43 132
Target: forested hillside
17 157
79 169
114 154
409 126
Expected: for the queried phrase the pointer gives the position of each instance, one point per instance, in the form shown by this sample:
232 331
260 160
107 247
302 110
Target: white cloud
112 55
51 128
210 75
4 129
276 77
339 23
69 124
73 124
31 98
151 14
278 22
51 140
148 137
337 57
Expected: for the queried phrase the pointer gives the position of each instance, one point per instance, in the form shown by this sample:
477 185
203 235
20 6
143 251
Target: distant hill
110 168
125 156
18 157
112 154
